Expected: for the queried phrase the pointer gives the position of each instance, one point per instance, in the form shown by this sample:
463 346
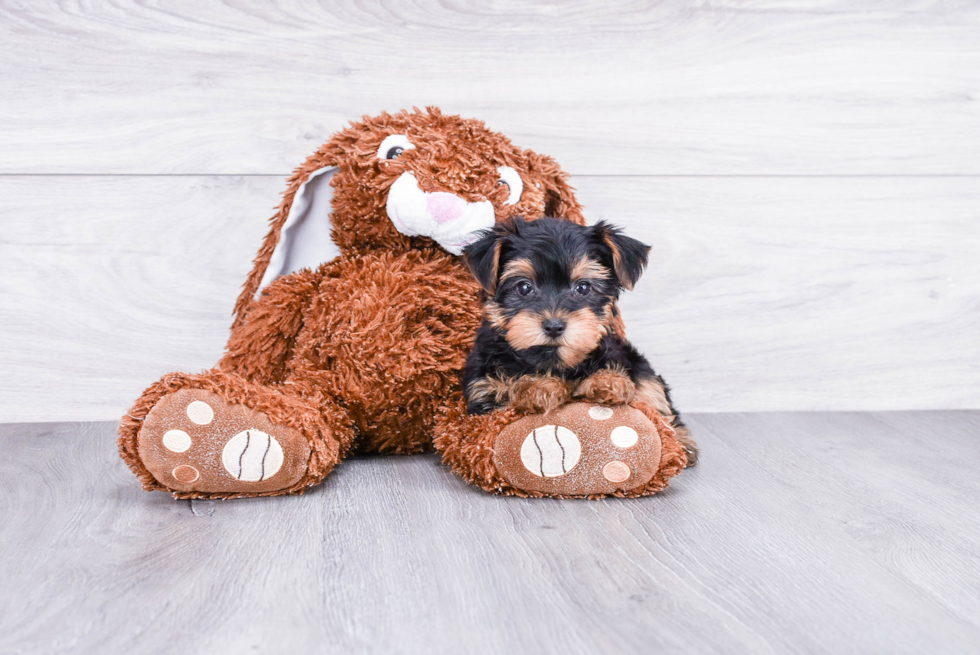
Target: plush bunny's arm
262 344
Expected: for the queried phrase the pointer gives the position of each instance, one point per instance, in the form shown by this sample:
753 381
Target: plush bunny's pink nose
445 207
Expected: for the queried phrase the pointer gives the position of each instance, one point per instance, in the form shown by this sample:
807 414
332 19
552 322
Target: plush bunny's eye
513 180
393 145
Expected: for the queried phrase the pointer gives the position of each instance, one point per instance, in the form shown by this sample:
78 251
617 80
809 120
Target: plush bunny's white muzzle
451 221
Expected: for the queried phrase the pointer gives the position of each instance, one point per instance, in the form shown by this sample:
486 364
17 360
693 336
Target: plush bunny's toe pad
193 441
580 449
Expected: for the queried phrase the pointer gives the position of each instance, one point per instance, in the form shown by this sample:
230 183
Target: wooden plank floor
799 532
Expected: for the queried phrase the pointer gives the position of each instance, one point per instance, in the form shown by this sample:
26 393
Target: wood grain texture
856 535
110 282
729 87
901 484
805 293
762 294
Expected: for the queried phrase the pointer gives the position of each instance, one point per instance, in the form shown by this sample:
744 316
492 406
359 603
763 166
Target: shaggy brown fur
364 352
360 353
467 441
327 428
459 156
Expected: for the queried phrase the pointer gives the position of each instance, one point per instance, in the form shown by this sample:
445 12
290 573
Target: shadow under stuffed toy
354 325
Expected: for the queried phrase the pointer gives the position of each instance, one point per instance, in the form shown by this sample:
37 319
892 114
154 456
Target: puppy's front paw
606 388
534 394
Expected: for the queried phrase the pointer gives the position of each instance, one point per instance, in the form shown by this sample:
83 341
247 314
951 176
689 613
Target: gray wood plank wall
807 173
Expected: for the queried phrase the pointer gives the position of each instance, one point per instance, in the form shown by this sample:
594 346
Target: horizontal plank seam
574 175
687 415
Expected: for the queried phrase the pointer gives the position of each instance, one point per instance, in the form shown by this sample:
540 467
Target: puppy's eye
513 180
524 287
394 145
583 288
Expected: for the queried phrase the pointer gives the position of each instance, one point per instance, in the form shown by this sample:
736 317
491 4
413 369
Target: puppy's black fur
551 323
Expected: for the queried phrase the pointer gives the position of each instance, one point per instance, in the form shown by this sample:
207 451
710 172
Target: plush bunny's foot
581 449
578 450
192 440
217 435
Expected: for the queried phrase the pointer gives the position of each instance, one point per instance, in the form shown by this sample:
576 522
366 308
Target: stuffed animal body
354 324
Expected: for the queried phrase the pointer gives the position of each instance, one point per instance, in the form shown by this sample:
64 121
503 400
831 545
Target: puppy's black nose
553 327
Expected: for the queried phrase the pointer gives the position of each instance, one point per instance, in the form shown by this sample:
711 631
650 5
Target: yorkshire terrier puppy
551 329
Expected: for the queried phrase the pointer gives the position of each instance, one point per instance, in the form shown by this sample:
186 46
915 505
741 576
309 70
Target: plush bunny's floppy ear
304 238
629 256
299 234
559 196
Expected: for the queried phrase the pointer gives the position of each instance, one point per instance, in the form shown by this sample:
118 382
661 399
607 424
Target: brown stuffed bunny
355 323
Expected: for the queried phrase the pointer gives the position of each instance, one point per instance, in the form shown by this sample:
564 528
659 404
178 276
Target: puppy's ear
629 256
482 257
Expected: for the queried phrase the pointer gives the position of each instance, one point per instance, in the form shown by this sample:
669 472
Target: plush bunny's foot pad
194 441
580 449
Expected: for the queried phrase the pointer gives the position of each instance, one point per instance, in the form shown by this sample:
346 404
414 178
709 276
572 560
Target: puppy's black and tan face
552 284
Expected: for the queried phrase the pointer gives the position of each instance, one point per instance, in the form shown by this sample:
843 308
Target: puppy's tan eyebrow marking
586 268
518 268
